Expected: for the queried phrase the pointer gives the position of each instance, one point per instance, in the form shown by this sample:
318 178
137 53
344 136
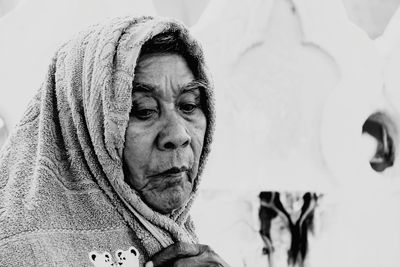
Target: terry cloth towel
62 188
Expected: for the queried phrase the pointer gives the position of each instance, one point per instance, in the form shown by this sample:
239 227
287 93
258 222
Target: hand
184 254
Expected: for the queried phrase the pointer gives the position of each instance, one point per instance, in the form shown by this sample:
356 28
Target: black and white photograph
231 133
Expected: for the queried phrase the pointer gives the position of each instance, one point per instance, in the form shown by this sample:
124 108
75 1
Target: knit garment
63 197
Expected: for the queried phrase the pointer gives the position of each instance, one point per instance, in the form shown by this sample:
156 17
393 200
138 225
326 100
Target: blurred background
308 102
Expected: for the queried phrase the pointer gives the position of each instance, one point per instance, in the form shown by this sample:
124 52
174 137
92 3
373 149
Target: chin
167 199
170 203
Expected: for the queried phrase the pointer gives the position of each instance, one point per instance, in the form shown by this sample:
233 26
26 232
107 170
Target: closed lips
174 171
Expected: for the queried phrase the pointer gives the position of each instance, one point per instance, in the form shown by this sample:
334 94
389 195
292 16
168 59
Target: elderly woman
105 164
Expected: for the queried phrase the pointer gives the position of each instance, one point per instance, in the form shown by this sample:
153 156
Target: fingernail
149 264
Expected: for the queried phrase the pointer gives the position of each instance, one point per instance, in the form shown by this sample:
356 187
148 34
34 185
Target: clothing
63 198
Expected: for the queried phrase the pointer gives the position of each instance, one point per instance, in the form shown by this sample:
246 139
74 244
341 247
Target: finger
174 252
192 262
208 257
203 260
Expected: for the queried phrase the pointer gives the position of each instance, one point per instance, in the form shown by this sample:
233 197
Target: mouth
168 178
172 172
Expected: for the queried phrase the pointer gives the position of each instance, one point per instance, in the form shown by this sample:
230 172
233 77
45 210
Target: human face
165 133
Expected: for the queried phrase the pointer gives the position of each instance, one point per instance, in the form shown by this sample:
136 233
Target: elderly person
105 164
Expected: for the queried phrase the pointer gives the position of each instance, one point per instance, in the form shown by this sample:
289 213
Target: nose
174 134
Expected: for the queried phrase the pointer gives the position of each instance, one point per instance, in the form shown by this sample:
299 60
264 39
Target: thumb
174 252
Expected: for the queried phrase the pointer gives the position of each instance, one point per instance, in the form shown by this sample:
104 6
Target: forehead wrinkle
167 75
190 87
143 87
171 86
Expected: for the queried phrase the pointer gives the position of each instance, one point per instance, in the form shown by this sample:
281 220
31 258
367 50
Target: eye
188 108
144 114
144 107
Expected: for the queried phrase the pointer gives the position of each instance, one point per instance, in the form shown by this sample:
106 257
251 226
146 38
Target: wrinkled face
165 133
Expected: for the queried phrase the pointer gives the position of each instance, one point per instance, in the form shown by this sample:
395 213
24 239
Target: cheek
198 133
137 151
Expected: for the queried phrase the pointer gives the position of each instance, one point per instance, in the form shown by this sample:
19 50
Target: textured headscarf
62 168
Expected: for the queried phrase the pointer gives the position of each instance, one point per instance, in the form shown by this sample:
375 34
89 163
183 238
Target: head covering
62 167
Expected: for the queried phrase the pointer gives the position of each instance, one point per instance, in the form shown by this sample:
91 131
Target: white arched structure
295 82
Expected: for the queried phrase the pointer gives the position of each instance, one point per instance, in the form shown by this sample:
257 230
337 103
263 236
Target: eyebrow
194 85
142 87
191 86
